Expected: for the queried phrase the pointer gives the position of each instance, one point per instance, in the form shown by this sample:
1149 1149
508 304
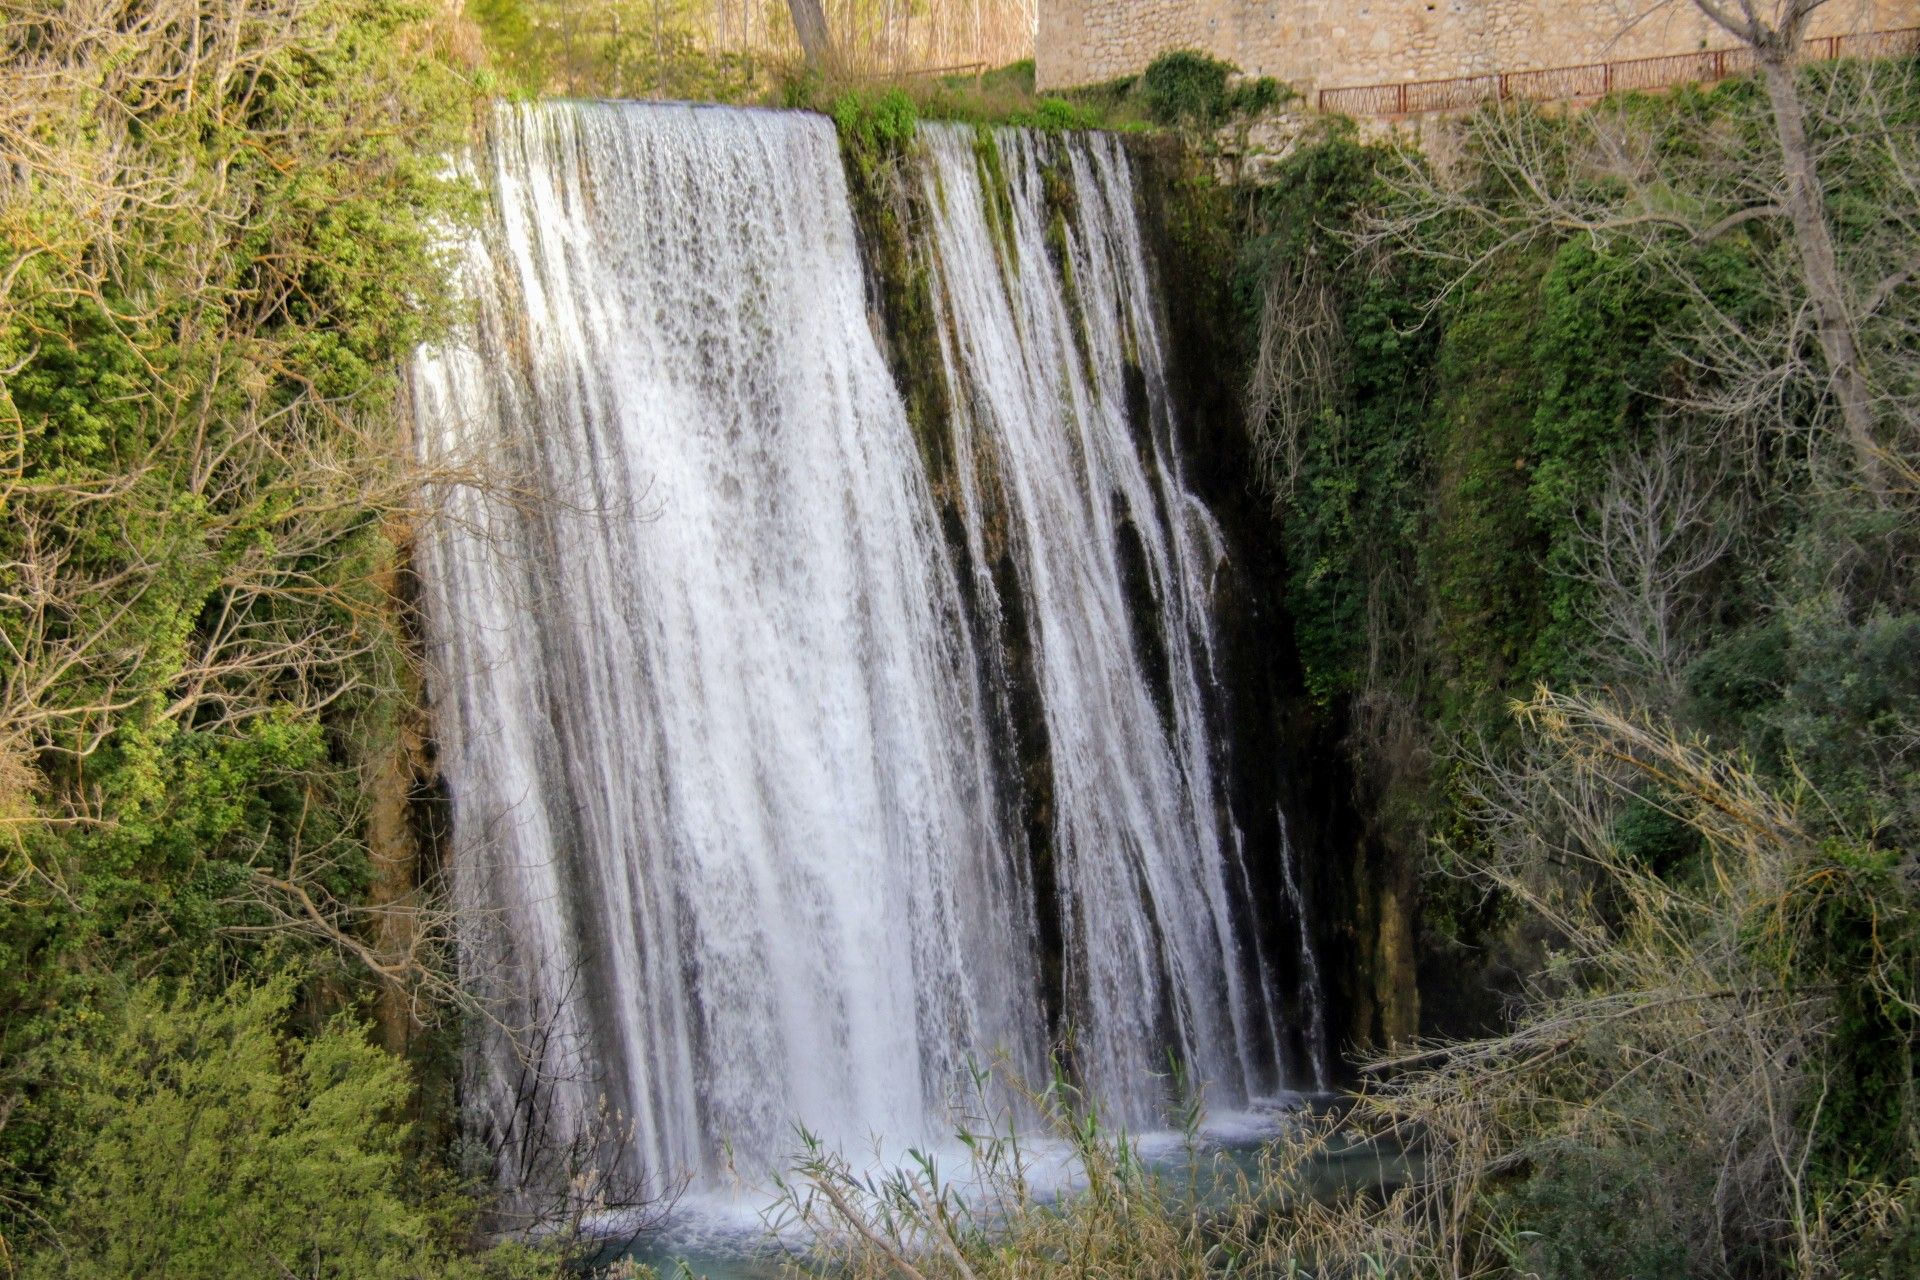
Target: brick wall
1314 44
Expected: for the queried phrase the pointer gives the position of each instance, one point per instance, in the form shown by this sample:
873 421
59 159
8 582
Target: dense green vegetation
1548 419
204 1141
218 225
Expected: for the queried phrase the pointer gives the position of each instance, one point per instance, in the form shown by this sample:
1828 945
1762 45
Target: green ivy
1188 89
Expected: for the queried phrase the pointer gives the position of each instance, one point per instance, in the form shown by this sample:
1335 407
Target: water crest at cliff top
727 677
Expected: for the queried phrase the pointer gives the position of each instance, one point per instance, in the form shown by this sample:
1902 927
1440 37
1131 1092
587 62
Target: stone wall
1315 44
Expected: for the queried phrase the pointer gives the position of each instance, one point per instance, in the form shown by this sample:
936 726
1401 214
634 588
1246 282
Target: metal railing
1594 79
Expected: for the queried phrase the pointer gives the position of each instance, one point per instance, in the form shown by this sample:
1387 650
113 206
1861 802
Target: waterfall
1062 416
1313 990
723 695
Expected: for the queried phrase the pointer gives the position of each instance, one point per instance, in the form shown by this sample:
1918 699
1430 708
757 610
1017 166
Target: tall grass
1047 1188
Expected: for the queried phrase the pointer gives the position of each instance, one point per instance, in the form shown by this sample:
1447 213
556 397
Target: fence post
1606 78
1402 97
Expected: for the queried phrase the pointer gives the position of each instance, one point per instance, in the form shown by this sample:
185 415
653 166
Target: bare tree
1776 34
1299 365
1641 550
1655 1019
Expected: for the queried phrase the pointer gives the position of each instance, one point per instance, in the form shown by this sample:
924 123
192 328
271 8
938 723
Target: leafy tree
219 233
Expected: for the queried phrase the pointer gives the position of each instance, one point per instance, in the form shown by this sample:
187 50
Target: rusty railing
1594 79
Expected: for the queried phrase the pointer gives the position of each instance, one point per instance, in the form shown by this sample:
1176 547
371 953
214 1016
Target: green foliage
1187 89
1057 115
1744 673
1356 499
1855 904
1648 831
1448 467
1602 1215
339 237
202 1141
1482 551
873 124
204 480
1596 353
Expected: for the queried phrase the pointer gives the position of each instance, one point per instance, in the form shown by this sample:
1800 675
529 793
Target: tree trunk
1806 205
1805 200
810 22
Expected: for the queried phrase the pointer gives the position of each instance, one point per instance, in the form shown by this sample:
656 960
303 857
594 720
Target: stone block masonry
1316 44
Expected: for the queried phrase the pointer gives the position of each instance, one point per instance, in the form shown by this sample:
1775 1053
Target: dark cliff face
1287 753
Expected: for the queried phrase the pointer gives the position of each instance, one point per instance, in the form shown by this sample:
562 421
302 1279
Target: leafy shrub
1057 115
1602 1214
1189 89
216 278
205 1142
1185 87
1746 671
1650 833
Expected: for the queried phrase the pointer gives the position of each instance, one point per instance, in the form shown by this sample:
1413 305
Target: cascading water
1062 432
1313 990
732 814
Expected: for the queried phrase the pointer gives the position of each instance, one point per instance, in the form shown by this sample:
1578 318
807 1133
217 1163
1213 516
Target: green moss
1062 199
1056 115
997 196
879 142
